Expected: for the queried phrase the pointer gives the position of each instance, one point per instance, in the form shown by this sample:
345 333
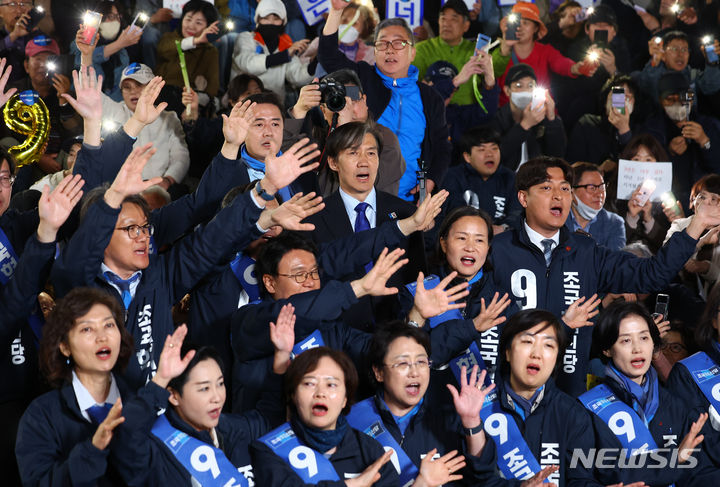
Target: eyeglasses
683 50
404 367
301 277
134 231
592 188
673 347
7 181
397 44
710 200
17 4
113 17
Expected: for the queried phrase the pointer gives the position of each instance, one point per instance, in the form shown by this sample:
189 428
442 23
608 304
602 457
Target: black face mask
271 34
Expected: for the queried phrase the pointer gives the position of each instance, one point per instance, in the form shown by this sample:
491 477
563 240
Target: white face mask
678 112
586 212
521 99
628 104
109 30
348 33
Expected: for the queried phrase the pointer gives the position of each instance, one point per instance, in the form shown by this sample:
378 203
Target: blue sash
706 375
514 458
8 258
244 269
313 340
311 466
207 464
469 358
365 417
430 282
622 420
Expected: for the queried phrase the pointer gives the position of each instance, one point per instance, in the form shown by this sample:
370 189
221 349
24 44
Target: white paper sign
410 10
177 5
631 174
313 10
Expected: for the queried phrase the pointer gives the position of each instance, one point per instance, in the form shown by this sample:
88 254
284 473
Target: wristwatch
473 431
262 193
706 145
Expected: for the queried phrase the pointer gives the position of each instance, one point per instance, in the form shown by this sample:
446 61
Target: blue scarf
475 278
402 421
522 406
321 440
645 397
256 170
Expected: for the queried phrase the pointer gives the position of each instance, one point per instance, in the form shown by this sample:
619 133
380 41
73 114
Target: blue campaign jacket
558 425
607 229
164 282
54 443
354 454
579 267
681 384
668 427
143 459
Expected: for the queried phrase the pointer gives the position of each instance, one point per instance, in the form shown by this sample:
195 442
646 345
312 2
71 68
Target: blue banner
207 464
8 258
706 375
410 10
431 282
469 358
244 269
311 466
365 417
313 340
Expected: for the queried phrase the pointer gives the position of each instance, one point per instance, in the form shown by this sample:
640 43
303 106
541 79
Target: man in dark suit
353 153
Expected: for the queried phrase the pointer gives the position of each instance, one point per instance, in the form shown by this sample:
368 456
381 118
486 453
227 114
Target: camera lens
333 94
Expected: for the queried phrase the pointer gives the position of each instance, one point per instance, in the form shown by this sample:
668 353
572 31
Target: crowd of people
262 250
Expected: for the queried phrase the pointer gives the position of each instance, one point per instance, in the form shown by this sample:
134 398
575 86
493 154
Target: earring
67 360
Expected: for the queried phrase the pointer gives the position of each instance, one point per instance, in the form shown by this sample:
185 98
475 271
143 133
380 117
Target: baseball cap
138 72
672 83
603 14
41 43
267 7
440 70
518 72
458 6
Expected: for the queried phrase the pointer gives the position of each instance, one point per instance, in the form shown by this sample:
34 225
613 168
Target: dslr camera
333 94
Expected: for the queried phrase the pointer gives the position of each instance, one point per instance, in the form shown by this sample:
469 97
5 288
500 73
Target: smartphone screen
601 37
712 56
91 22
36 15
538 98
482 42
662 303
512 24
617 98
647 188
139 23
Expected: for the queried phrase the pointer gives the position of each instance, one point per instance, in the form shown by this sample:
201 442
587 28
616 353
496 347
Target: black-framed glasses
673 347
134 231
404 366
7 181
592 188
397 44
301 277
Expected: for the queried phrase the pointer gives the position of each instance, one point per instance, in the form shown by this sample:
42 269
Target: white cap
267 7
138 72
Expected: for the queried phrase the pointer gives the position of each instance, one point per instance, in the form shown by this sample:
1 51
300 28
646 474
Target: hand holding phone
482 43
513 22
617 98
139 23
538 98
91 24
35 15
647 188
662 303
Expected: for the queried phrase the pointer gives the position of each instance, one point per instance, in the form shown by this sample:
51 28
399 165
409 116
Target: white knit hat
267 7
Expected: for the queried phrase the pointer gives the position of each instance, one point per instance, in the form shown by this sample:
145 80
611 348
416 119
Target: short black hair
535 171
521 322
239 85
476 136
394 22
266 97
98 193
607 328
387 333
580 168
454 215
349 135
206 8
273 252
675 34
201 354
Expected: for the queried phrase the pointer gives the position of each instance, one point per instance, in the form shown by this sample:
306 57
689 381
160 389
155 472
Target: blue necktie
124 285
362 224
99 413
547 249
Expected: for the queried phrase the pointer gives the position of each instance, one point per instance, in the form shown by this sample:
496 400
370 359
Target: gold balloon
32 121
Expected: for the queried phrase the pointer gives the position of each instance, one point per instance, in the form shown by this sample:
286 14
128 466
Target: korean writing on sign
631 175
313 10
410 10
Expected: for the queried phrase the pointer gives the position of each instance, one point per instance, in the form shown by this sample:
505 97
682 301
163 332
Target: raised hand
236 125
210 29
88 90
469 401
145 111
86 50
581 312
290 214
54 208
309 97
129 179
662 324
424 217
374 282
440 471
538 479
171 363
692 439
4 76
436 301
104 432
371 474
490 316
282 334
298 47
61 83
129 37
283 170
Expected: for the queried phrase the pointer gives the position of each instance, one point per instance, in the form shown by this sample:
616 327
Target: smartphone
538 98
657 40
601 38
513 23
662 303
36 14
617 98
712 56
139 23
91 23
647 188
482 43
59 64
669 201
